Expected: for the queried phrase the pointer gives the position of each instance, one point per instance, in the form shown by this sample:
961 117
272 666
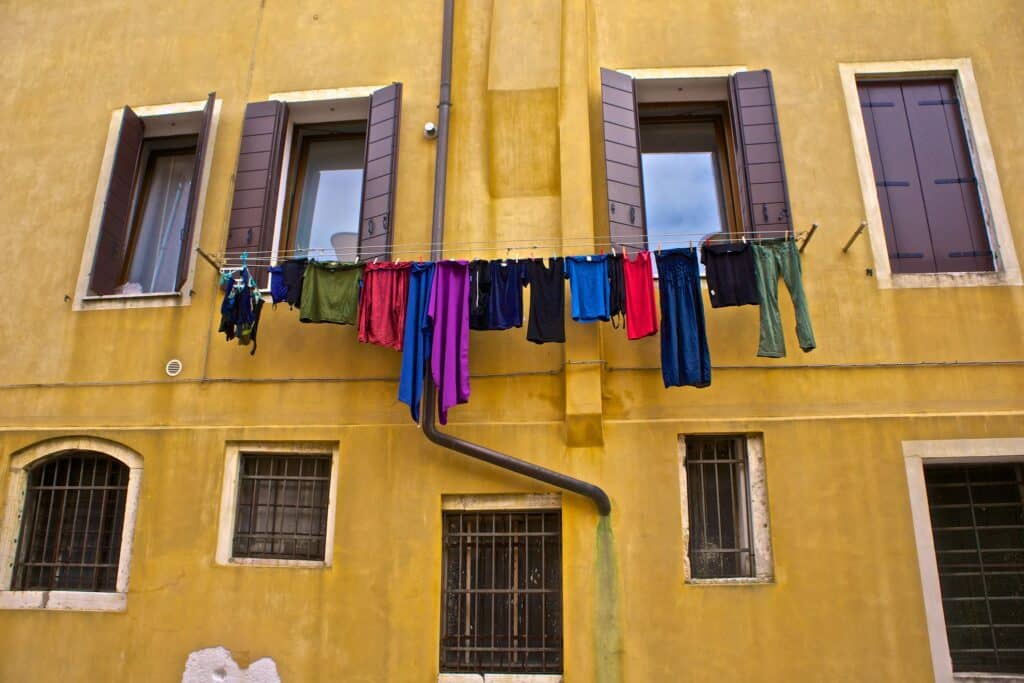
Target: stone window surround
229 498
993 206
917 454
90 601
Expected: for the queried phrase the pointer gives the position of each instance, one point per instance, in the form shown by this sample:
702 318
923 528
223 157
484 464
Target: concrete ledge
499 678
80 601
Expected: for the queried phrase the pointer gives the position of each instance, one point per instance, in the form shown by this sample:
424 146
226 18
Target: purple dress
449 355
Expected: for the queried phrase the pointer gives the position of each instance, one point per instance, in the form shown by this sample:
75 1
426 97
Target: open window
316 177
692 156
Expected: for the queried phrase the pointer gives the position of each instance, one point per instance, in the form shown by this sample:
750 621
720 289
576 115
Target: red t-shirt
382 304
641 315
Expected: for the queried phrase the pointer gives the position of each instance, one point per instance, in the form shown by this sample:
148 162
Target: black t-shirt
547 300
617 287
479 294
731 277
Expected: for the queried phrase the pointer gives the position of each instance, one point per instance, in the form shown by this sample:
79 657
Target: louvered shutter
380 167
257 179
190 228
627 219
762 173
108 262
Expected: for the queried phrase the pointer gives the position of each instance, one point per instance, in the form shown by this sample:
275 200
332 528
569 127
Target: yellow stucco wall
526 161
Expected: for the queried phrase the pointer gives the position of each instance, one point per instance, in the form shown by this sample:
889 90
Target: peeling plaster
215 665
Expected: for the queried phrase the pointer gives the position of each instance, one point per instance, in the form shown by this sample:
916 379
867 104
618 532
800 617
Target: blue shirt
589 286
416 343
505 305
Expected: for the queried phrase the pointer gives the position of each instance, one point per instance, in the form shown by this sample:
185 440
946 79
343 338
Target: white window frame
160 120
764 566
917 454
982 160
90 601
229 501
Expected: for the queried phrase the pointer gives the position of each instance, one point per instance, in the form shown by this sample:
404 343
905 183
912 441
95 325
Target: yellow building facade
908 372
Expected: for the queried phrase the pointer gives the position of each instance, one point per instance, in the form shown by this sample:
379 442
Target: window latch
764 212
384 221
611 208
369 226
632 214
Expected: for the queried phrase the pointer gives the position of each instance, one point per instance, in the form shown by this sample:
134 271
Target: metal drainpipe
473 450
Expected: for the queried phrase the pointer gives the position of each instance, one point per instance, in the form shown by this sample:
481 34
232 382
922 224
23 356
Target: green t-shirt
330 293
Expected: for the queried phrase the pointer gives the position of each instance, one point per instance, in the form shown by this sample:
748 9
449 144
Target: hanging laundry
772 259
685 359
642 316
294 273
240 309
449 316
505 304
588 283
730 272
547 300
382 304
417 338
330 293
616 290
278 290
479 294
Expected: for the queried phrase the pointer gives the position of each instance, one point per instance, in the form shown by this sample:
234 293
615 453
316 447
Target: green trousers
773 259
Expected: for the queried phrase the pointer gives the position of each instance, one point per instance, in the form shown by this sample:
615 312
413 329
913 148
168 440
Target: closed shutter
627 219
190 228
761 170
257 179
380 166
108 262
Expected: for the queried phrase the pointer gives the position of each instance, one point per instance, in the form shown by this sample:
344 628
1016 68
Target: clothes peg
625 255
375 260
659 247
613 251
245 258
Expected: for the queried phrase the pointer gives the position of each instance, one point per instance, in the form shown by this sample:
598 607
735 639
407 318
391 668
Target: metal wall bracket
810 234
856 234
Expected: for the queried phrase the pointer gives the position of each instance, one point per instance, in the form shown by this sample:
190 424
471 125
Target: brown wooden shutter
761 170
108 261
627 218
190 228
257 179
380 168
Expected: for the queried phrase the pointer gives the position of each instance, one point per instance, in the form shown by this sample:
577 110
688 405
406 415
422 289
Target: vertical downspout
473 450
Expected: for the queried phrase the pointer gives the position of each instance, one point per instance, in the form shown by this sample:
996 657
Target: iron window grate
718 502
71 524
502 581
977 516
282 506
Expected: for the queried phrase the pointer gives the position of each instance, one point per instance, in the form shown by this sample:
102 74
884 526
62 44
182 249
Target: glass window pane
161 223
332 189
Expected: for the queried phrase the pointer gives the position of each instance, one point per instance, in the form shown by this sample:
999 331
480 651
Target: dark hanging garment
730 273
294 272
547 300
685 359
479 294
505 309
616 290
240 309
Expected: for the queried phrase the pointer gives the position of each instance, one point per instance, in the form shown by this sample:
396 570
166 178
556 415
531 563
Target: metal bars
282 506
502 579
977 517
718 498
71 524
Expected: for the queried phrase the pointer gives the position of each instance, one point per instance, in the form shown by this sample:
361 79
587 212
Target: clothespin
245 258
613 250
375 260
624 254
744 238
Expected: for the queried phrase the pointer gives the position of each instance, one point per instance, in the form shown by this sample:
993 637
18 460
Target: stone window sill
80 601
125 301
733 581
936 280
499 678
967 677
267 562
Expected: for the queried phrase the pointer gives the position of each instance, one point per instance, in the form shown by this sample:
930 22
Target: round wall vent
173 368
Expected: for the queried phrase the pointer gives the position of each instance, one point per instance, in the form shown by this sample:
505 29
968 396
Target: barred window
502 604
72 524
977 517
718 502
282 506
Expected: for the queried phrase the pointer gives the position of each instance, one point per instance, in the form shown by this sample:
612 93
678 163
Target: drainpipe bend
429 425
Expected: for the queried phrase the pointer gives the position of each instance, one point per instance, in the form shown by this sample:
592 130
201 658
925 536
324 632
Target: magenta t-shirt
449 356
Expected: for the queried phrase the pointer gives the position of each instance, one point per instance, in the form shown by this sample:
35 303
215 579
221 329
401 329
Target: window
316 176
140 244
934 208
692 154
977 518
278 504
68 525
502 591
725 509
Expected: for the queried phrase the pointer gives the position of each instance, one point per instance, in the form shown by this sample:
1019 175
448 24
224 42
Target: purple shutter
761 170
627 219
108 262
257 179
190 228
380 167
948 184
